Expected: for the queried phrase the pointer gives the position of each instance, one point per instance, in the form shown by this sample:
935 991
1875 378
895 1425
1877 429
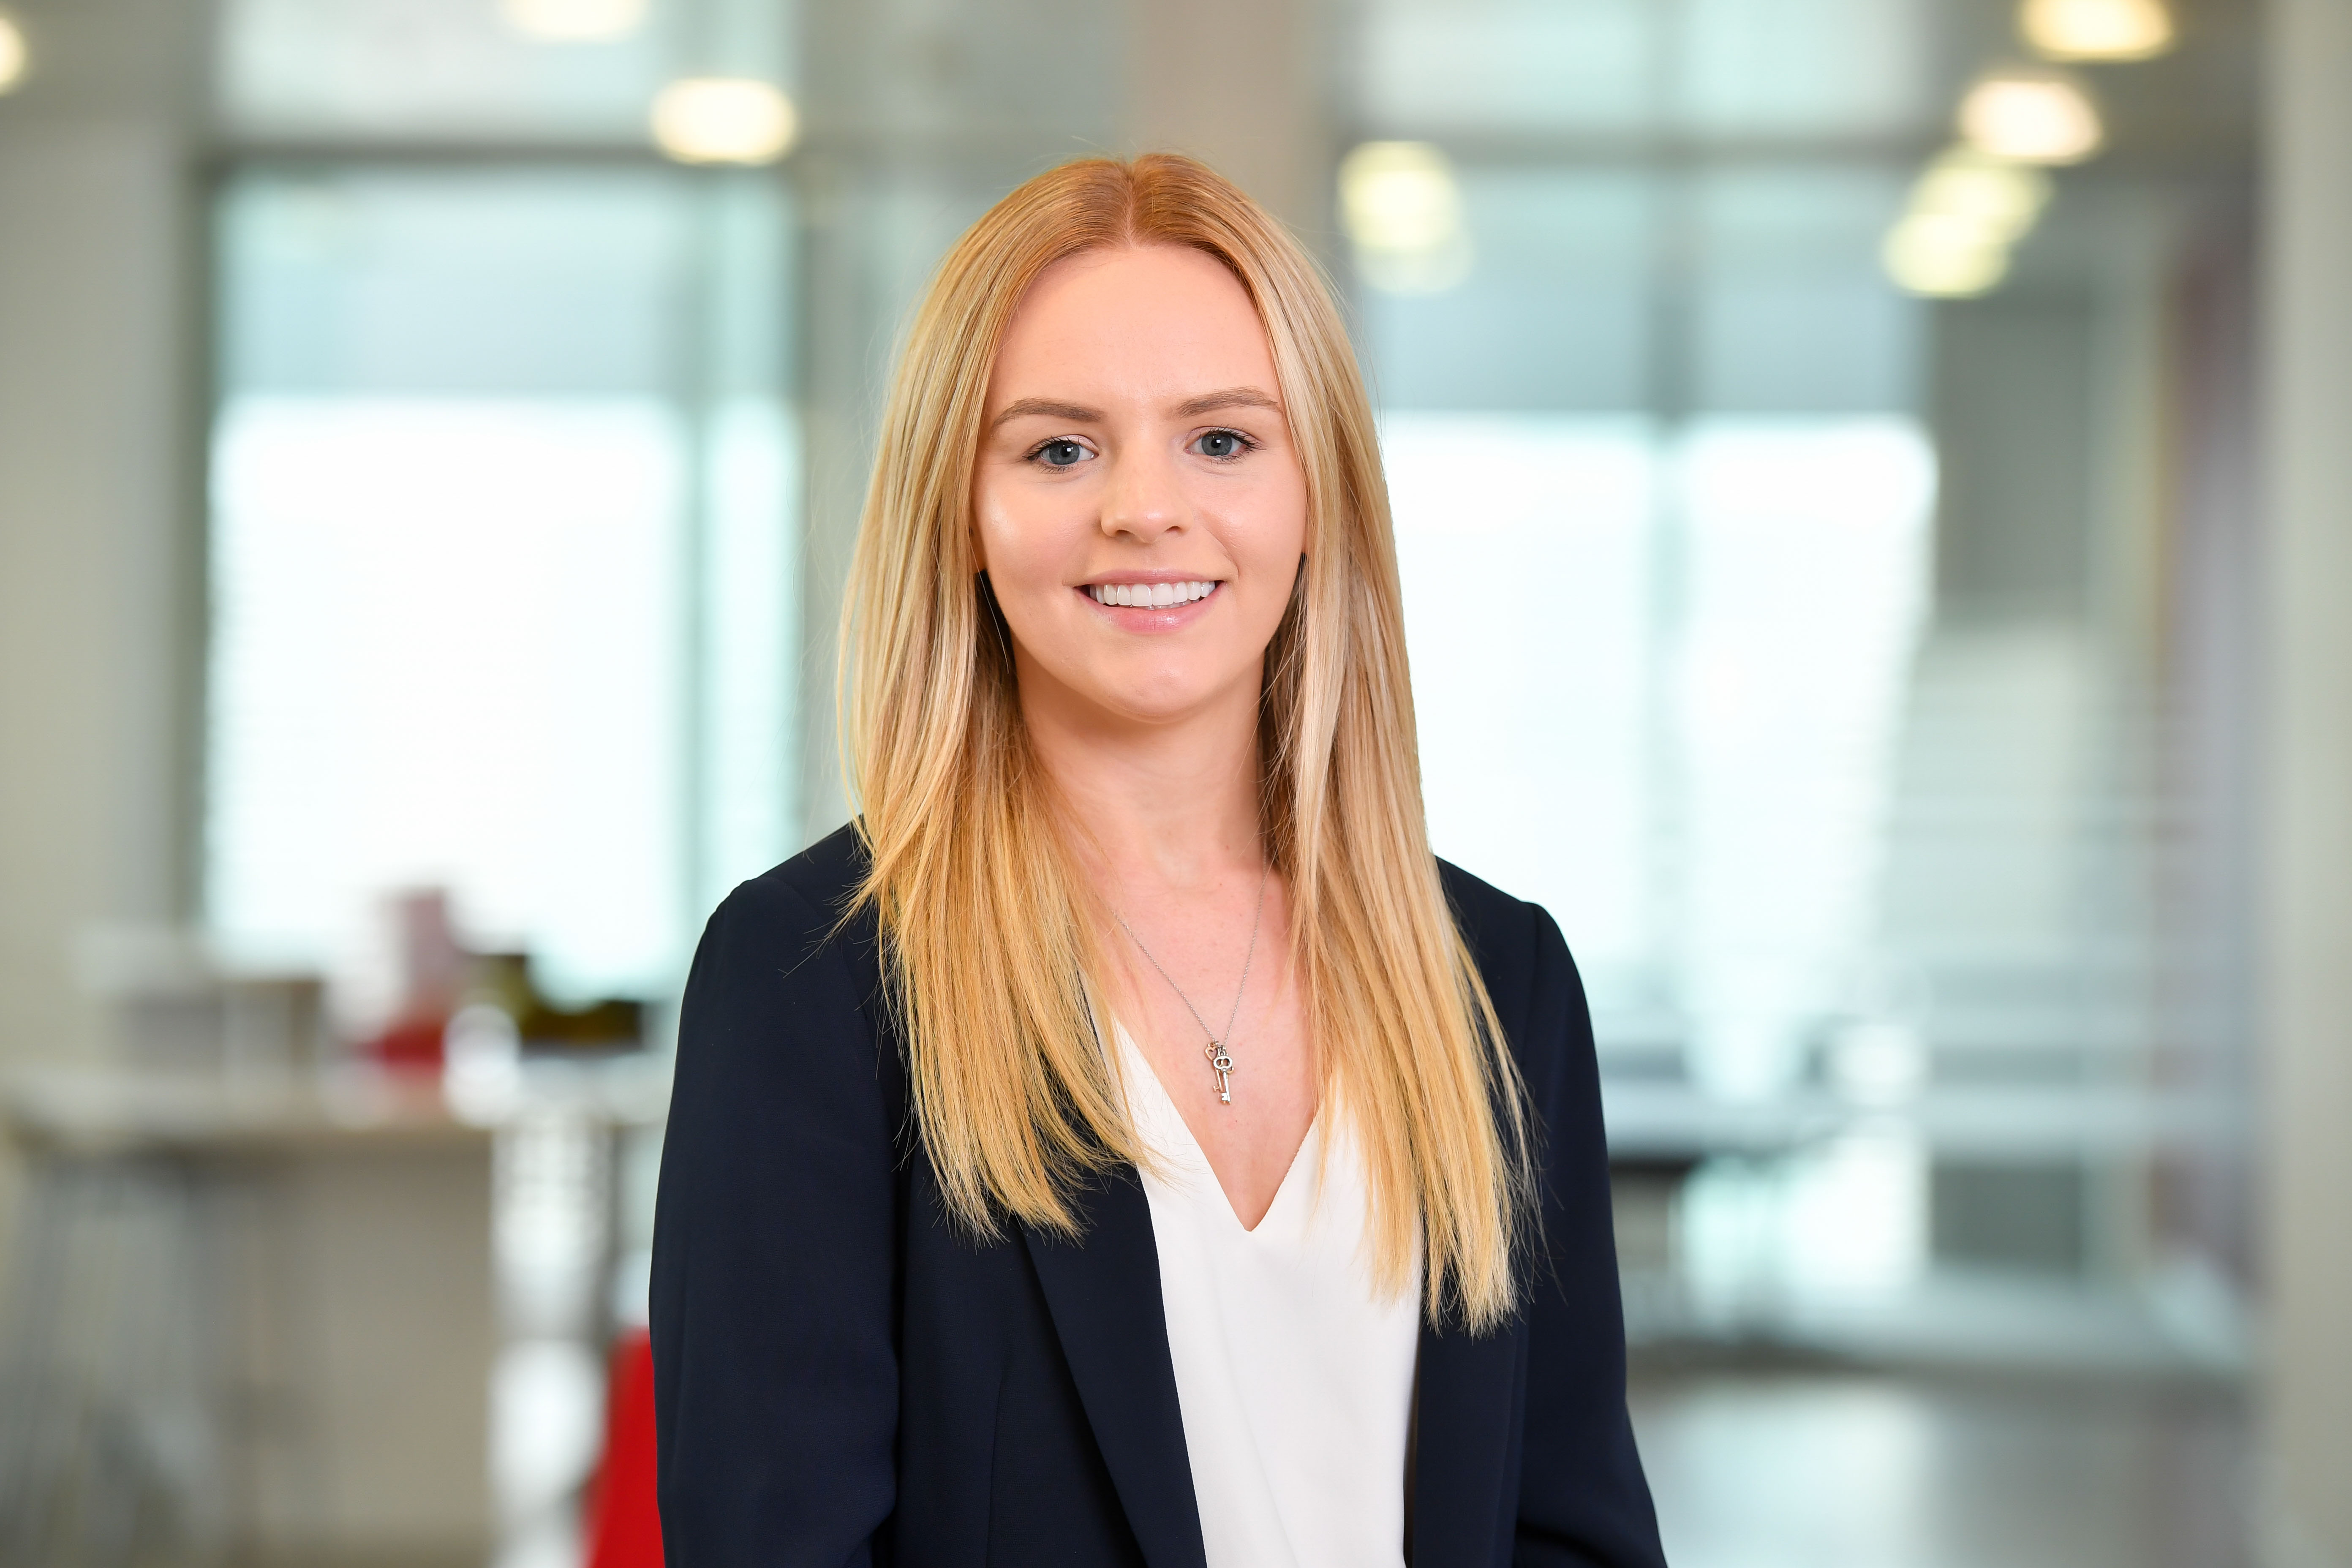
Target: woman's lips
1158 606
1150 596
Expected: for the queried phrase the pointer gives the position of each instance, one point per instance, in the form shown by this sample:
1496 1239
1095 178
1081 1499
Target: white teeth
1149 595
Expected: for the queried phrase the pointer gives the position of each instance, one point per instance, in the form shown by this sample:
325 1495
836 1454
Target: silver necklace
1221 1061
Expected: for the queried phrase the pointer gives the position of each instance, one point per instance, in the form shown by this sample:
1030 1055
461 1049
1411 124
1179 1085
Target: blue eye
1060 454
1223 445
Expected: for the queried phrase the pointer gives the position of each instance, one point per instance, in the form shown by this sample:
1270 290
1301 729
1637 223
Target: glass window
502 559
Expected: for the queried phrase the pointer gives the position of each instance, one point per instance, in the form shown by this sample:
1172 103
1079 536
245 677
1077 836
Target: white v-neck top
1294 1378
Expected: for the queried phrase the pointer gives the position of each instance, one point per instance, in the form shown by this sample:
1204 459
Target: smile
1148 596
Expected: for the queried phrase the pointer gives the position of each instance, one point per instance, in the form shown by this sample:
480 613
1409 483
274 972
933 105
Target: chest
1247 1094
1039 1414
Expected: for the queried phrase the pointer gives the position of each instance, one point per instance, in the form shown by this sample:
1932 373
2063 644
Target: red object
410 1043
624 1520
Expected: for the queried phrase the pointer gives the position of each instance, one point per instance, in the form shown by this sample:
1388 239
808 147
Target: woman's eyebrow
1231 397
1077 413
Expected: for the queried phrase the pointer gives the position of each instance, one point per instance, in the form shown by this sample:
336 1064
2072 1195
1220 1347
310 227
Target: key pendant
1222 1066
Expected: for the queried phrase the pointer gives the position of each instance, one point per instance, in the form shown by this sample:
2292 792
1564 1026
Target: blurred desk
260 1318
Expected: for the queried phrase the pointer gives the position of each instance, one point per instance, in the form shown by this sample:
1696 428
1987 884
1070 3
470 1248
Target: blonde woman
1126 1143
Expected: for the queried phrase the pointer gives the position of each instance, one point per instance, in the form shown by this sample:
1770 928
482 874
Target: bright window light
1803 593
446 653
1525 547
501 604
724 120
1585 748
2032 119
2098 29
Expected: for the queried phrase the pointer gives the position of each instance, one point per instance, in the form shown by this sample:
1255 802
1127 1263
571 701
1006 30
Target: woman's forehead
1154 322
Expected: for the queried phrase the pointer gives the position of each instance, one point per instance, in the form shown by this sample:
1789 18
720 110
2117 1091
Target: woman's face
1139 506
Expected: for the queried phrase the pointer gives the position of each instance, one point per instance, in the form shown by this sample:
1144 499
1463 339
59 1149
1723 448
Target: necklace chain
1221 1061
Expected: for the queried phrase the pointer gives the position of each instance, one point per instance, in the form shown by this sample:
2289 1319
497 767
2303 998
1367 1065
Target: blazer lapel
1463 1457
1103 1294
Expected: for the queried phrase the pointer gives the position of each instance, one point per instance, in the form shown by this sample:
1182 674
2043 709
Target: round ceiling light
574 21
1999 197
723 119
2097 29
1944 256
2031 118
14 57
1402 207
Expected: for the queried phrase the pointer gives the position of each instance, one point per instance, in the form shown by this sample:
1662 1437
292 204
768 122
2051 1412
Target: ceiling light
2000 197
1402 208
13 58
723 119
574 21
1944 257
1399 196
2035 119
2097 29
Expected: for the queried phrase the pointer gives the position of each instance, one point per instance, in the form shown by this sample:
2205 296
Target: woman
1127 1143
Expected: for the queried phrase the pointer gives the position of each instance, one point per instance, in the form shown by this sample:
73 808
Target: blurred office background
1892 452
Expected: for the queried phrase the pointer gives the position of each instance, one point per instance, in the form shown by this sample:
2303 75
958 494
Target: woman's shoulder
798 911
787 949
1524 960
821 881
1510 938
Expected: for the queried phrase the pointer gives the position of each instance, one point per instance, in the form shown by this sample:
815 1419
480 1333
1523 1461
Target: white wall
91 549
94 510
2308 977
95 632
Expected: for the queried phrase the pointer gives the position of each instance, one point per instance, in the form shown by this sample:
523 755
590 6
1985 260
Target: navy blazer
841 1378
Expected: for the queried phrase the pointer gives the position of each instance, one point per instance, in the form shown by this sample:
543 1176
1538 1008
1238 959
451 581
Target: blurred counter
262 1318
88 1112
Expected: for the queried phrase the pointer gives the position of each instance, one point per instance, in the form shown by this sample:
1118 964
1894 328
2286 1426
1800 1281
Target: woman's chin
1157 700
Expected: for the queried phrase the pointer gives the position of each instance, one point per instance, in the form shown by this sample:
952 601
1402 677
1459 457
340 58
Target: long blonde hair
988 946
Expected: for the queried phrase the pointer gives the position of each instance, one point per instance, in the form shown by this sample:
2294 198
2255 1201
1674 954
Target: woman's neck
1166 805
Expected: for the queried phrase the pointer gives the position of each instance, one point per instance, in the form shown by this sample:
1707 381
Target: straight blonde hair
989 930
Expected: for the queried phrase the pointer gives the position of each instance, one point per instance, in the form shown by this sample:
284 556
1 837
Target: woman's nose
1144 500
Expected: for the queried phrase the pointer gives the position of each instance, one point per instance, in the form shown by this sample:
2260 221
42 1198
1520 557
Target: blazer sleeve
1583 1499
775 1248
